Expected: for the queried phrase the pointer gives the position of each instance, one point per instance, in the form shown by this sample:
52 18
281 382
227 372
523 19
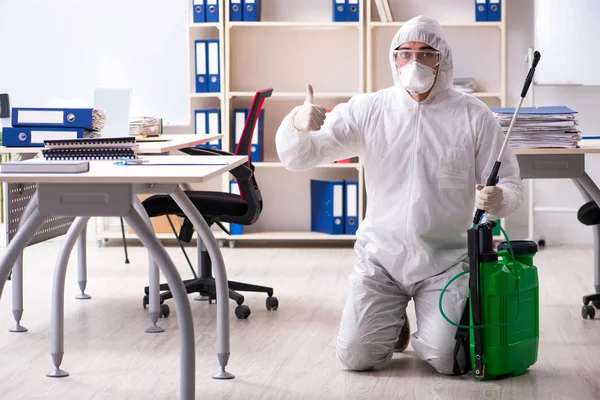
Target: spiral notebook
90 149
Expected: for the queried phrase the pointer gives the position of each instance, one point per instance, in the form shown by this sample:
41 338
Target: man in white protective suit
424 146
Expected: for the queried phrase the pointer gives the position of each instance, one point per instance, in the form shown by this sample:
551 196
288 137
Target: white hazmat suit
422 161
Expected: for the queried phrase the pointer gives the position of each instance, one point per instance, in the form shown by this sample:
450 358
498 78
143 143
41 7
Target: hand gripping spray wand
491 289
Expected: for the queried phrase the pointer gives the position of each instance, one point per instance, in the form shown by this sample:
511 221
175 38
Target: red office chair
217 207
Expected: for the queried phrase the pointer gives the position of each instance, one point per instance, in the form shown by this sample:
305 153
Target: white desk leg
220 272
154 275
17 275
82 265
19 242
57 346
184 310
593 194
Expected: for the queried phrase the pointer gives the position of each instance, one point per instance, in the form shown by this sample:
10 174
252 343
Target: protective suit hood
427 30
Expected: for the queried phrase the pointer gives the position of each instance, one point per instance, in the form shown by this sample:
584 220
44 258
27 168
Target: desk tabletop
159 169
158 145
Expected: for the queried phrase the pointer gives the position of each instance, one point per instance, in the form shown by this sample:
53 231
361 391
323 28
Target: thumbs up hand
309 117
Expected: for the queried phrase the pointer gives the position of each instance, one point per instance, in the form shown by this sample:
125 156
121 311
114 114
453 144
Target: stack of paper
540 126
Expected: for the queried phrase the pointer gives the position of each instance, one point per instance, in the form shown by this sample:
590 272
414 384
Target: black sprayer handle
492 180
536 60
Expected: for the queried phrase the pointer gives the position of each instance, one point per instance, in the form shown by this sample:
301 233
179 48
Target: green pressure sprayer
499 329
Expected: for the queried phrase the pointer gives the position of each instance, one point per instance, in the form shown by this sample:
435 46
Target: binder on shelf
353 11
201 58
351 202
340 13
252 10
494 8
212 11
214 79
256 145
327 206
235 229
481 13
53 117
208 122
35 136
199 11
235 11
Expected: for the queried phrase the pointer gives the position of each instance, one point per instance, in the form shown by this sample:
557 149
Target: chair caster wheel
242 311
588 311
165 311
272 303
145 301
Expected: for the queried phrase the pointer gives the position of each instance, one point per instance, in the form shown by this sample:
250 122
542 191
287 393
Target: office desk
565 164
159 145
109 190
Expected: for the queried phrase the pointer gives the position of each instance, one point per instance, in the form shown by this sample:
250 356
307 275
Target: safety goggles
431 58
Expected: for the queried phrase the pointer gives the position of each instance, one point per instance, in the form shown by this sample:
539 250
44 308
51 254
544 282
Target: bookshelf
297 43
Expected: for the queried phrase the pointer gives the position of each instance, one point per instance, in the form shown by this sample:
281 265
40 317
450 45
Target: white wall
553 227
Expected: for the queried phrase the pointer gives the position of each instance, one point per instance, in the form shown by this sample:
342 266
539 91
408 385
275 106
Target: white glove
309 117
489 198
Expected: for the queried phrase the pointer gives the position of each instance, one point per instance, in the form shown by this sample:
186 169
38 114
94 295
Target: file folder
212 11
239 120
214 80
351 201
35 136
199 11
256 146
208 122
201 64
340 13
494 10
353 12
235 229
252 9
327 206
481 13
53 117
235 10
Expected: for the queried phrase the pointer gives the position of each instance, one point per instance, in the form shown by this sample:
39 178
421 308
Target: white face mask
417 78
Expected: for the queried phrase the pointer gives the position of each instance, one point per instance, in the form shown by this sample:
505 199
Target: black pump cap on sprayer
493 178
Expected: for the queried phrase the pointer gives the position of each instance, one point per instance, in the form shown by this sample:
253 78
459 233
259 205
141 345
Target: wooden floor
283 354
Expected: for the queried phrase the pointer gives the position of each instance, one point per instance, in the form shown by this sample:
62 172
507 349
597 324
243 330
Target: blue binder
212 11
53 117
494 10
199 11
208 122
35 136
235 10
252 10
327 206
481 13
353 11
235 229
214 70
239 121
536 110
351 211
340 13
201 66
256 146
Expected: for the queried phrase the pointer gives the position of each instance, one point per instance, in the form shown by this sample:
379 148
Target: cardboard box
161 224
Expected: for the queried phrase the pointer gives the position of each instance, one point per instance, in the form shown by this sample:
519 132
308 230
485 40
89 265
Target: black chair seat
589 214
220 204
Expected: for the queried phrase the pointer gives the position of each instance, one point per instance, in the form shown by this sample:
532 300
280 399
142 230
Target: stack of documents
537 127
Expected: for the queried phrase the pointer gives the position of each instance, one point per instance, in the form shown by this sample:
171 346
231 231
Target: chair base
589 311
205 286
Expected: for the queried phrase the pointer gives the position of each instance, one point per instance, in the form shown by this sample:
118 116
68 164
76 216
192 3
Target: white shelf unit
290 47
